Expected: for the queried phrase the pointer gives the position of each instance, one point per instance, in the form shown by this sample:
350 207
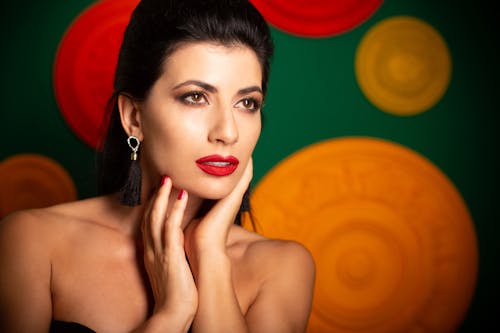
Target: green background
313 96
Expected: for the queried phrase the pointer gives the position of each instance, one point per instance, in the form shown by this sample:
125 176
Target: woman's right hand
165 260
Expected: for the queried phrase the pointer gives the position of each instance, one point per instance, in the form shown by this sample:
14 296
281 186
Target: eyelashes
199 98
193 98
250 104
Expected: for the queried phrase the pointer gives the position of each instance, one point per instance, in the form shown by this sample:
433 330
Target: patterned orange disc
394 244
403 65
33 181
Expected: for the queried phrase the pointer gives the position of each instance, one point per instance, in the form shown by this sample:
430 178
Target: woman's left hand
209 234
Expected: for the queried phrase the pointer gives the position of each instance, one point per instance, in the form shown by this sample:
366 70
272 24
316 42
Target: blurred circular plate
394 244
316 18
33 181
85 65
403 65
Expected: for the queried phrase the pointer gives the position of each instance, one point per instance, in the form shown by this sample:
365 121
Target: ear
130 116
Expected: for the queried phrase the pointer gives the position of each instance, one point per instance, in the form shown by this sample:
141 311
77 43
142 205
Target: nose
224 129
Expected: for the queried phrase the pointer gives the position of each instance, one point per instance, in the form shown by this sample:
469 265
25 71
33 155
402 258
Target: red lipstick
217 165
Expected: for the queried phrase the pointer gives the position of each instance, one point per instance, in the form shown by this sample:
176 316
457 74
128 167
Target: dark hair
155 30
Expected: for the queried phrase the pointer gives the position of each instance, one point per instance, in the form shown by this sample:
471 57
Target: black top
65 327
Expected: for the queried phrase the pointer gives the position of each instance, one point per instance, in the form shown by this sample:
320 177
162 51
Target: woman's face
201 120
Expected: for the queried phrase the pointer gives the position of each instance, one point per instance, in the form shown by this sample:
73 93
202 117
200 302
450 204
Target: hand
171 279
210 232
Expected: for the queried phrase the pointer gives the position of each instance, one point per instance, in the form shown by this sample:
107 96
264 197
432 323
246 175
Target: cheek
172 142
255 137
249 135
160 142
254 130
171 129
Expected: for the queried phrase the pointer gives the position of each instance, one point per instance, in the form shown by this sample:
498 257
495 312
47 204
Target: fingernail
163 180
181 194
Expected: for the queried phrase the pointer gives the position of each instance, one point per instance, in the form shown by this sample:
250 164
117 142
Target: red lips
217 165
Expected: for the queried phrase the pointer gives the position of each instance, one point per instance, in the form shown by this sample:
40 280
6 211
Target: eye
194 97
250 104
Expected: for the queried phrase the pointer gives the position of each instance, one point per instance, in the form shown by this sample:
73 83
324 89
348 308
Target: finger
173 232
232 202
158 214
246 178
147 211
145 227
223 213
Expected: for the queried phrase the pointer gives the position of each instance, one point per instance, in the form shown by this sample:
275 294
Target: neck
131 218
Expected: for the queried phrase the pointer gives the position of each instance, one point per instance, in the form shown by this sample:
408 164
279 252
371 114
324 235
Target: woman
185 118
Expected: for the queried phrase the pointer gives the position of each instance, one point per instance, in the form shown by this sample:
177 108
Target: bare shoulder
24 226
284 273
44 226
274 256
28 241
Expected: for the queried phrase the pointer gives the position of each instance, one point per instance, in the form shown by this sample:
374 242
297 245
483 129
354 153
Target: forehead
212 62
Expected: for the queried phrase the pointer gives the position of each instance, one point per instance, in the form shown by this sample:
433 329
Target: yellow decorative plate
394 244
33 181
403 65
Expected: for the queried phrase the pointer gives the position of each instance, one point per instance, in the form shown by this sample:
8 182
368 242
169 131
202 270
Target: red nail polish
163 180
181 194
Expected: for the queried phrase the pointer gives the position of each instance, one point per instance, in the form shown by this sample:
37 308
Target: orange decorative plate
33 181
403 65
394 243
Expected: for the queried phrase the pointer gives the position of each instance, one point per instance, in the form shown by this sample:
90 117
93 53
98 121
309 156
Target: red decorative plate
85 65
316 18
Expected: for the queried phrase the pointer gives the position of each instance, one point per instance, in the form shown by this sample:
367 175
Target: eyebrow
248 90
206 86
212 89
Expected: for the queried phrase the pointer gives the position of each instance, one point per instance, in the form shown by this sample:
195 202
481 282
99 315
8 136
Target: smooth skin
155 267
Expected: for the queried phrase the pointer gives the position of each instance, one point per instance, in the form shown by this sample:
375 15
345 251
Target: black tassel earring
131 190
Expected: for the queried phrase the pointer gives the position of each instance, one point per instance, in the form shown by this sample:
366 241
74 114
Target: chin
213 192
